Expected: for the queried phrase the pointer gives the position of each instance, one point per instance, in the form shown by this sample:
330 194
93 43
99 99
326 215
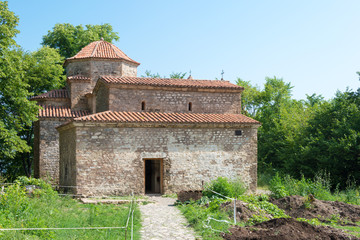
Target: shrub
229 188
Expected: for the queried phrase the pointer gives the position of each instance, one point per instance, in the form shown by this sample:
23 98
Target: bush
229 188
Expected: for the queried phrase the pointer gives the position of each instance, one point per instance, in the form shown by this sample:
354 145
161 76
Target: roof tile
60 112
170 82
157 117
101 49
57 93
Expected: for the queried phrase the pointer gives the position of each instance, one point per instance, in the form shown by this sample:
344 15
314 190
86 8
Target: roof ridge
112 47
95 48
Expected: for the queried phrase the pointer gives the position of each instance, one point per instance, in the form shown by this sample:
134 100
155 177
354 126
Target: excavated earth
295 207
289 228
285 229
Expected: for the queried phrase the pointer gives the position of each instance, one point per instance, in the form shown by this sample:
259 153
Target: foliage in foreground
45 209
209 216
319 187
230 188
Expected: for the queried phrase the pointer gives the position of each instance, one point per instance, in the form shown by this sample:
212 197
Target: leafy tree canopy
22 75
16 111
70 39
176 75
44 70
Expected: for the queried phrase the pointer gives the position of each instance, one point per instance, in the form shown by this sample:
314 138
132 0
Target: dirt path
162 220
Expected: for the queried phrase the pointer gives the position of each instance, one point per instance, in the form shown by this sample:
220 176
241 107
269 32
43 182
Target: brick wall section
102 98
46 149
113 157
67 166
174 101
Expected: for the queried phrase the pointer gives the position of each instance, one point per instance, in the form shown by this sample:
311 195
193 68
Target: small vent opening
143 106
190 106
238 132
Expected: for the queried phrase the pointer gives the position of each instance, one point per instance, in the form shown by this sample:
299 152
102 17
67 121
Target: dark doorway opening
153 176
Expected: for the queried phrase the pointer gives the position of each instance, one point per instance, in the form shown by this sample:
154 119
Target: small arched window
143 105
190 106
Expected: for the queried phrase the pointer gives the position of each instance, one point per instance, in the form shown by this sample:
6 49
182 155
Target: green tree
22 75
283 120
16 111
250 98
44 70
331 140
70 39
176 75
149 74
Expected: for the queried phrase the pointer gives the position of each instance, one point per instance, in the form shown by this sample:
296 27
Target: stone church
111 132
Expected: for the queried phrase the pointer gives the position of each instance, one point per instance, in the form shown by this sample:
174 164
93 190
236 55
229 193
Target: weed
313 221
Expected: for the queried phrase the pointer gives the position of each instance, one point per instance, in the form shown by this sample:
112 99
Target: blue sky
314 45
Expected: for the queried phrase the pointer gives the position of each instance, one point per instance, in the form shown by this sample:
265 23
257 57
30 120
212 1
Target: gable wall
112 157
174 101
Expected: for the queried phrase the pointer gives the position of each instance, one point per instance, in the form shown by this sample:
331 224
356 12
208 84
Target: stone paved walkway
162 220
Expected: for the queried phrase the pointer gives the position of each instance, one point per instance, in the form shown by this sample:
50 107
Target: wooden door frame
161 173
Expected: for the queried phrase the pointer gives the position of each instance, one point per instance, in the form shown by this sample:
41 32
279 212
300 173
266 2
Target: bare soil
295 207
242 210
194 195
285 229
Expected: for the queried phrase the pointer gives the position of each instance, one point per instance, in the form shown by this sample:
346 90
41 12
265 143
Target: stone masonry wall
82 68
128 69
113 157
78 90
62 102
46 149
115 68
174 101
67 168
102 98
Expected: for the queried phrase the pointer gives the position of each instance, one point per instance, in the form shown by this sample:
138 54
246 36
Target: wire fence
128 226
234 200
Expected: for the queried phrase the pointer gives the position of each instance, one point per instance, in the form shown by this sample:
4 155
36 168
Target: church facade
113 133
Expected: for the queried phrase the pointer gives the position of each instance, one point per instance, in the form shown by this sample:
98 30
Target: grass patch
45 209
353 230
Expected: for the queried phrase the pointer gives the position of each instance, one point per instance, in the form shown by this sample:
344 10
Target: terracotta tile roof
57 93
168 82
101 49
60 112
157 117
